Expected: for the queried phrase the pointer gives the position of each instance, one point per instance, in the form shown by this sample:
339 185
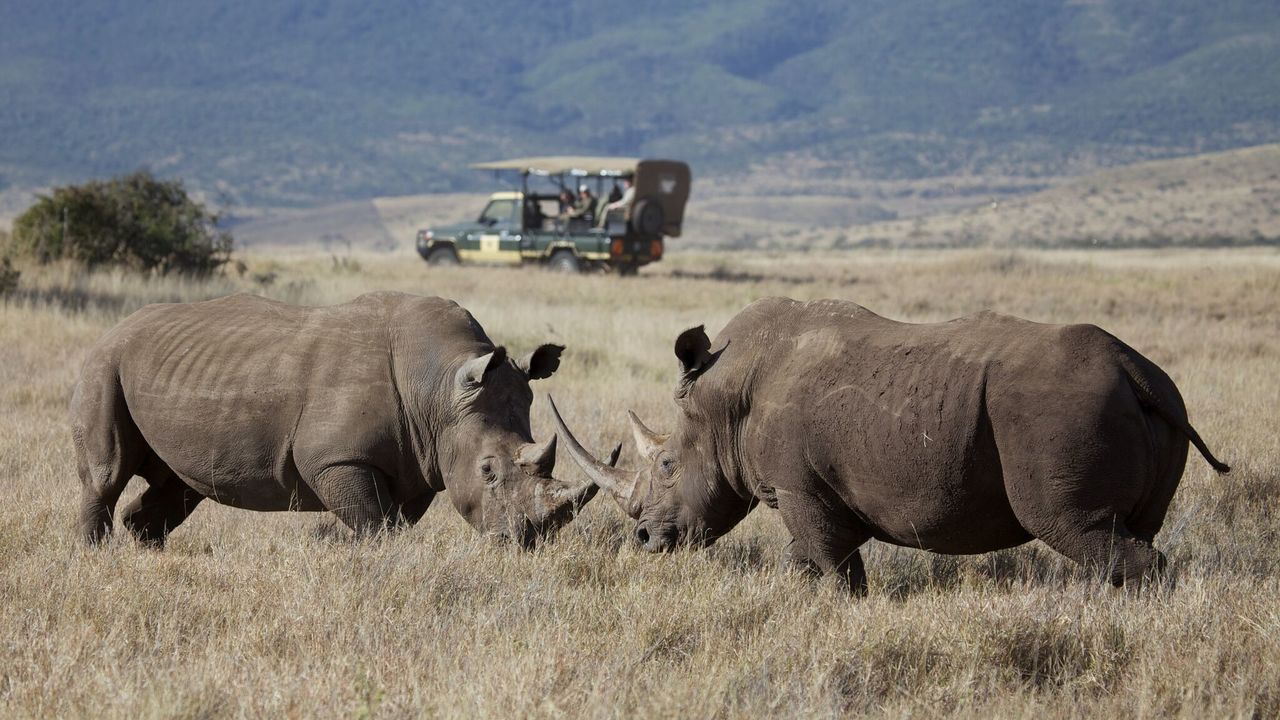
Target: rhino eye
486 470
666 466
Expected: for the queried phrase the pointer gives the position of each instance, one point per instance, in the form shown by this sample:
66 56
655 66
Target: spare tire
647 217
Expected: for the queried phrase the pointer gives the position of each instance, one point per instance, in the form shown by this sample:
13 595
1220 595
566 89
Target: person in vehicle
628 194
586 207
566 202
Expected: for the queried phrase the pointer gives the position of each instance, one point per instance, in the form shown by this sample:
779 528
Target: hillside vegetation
291 102
284 615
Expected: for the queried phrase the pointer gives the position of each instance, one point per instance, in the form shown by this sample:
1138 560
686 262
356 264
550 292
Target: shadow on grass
747 556
77 298
900 573
71 299
720 273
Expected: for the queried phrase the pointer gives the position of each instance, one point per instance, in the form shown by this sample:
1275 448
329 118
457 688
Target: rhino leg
825 538
412 511
1084 514
161 508
1111 549
1088 484
358 495
109 451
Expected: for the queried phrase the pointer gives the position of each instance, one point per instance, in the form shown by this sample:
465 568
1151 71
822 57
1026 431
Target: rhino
367 410
959 437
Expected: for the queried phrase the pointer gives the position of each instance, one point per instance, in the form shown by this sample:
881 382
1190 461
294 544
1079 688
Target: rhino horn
619 483
577 497
648 442
540 459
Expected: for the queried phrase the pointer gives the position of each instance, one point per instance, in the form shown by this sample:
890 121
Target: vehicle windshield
501 214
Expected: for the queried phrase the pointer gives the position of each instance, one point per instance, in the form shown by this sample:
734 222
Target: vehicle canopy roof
580 166
664 182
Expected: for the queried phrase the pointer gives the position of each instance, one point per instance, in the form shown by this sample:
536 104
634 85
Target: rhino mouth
527 534
660 537
657 537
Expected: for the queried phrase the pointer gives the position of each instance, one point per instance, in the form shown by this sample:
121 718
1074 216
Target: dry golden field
264 615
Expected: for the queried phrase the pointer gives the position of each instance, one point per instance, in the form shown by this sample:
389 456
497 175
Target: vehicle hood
453 229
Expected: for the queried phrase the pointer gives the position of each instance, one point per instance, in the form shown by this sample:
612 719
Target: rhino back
891 416
234 394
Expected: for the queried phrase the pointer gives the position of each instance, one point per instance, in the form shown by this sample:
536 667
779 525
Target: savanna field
285 615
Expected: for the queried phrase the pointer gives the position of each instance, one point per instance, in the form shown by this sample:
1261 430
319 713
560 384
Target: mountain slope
1213 199
291 102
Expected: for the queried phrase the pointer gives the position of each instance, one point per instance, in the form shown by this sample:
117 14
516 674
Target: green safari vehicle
550 221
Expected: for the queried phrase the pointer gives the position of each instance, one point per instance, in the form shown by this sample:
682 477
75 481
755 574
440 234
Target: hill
1209 200
284 102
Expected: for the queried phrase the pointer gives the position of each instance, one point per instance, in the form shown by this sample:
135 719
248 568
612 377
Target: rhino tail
1135 367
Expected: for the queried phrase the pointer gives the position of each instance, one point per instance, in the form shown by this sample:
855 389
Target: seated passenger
566 203
627 195
586 207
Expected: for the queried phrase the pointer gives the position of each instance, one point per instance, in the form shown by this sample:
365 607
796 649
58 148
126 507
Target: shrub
134 221
8 277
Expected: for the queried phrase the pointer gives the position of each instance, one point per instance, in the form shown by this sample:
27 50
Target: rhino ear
472 373
541 363
692 350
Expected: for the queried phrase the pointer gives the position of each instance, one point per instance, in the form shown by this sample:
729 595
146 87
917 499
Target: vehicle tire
564 261
442 256
627 270
647 217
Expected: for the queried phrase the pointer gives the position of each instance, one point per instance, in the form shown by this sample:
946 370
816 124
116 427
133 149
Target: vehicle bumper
634 251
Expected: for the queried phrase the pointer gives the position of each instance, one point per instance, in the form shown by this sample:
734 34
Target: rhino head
682 494
497 477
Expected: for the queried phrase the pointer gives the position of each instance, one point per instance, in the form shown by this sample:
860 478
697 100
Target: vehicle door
498 239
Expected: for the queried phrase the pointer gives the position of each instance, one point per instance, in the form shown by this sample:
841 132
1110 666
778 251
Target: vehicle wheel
563 261
647 217
442 256
627 270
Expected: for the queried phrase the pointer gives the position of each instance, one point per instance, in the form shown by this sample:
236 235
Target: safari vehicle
528 226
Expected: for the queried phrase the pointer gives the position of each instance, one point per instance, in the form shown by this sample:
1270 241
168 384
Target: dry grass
269 615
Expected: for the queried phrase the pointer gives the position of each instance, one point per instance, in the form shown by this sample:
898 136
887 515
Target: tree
133 221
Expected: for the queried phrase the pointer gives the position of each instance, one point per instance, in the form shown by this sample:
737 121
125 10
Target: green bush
8 276
134 221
